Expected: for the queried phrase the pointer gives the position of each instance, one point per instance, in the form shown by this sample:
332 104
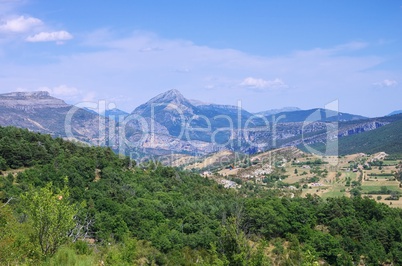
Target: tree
234 245
310 259
51 216
3 164
355 192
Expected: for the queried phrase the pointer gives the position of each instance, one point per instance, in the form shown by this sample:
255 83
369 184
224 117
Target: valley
172 201
376 176
200 133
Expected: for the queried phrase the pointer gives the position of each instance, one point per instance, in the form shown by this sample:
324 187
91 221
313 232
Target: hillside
276 111
386 138
40 112
170 123
178 125
397 112
129 214
181 127
316 115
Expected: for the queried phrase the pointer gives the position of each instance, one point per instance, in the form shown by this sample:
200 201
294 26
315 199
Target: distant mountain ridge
276 111
115 112
171 123
395 112
109 112
174 118
316 114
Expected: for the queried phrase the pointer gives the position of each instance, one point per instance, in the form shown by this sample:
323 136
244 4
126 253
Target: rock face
360 128
174 124
171 123
28 101
169 109
38 111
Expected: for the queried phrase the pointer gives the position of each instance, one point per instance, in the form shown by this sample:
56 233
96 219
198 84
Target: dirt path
14 172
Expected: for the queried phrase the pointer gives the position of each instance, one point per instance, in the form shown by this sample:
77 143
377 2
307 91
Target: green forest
62 203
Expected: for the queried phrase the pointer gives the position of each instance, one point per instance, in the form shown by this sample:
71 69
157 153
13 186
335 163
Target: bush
82 248
3 164
67 256
392 198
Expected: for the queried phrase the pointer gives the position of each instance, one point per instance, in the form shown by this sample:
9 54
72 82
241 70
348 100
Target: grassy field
369 187
391 162
335 180
332 174
351 175
391 203
333 193
379 177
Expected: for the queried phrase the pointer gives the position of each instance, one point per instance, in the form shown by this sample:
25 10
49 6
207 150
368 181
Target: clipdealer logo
254 132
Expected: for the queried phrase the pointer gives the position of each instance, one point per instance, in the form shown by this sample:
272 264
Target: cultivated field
373 176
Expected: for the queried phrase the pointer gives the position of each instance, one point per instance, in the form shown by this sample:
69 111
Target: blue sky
266 54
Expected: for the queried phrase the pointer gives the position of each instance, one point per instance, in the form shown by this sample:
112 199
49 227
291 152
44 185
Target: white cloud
30 25
20 24
62 90
119 66
20 89
67 93
150 49
352 46
386 83
182 70
57 36
261 84
89 97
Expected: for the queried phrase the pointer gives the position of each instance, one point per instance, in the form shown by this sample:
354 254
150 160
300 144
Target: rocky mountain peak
171 96
164 100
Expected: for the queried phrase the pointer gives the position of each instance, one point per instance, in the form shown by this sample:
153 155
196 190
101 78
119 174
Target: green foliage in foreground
50 216
155 215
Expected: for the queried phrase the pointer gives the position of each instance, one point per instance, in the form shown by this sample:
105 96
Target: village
296 173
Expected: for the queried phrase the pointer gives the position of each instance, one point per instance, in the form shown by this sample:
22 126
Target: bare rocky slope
38 111
170 123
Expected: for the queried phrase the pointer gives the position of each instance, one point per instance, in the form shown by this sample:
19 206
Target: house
228 184
316 185
206 173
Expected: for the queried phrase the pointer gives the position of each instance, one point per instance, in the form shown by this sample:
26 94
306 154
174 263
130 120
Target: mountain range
170 123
